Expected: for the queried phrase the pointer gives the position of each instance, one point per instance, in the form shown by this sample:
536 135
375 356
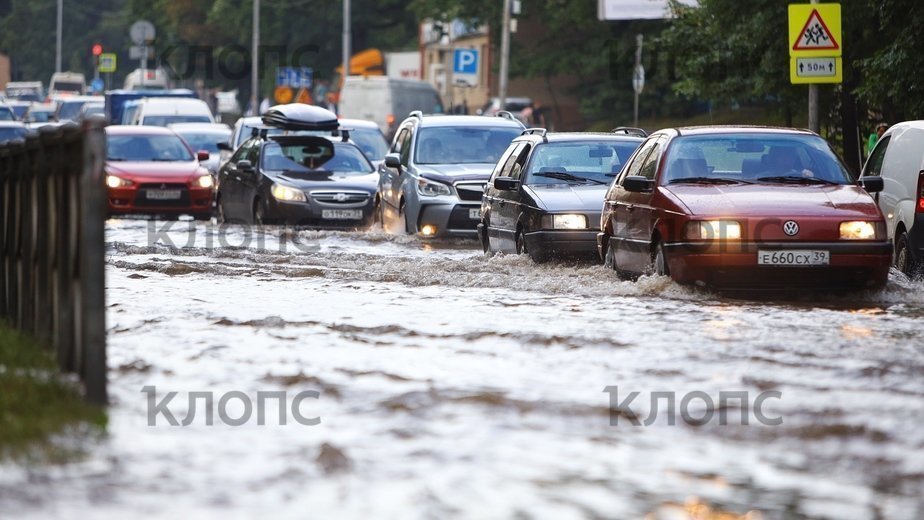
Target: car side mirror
245 166
225 147
506 184
393 160
872 183
202 155
636 184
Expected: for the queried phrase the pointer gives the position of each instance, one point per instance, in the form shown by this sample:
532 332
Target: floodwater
453 385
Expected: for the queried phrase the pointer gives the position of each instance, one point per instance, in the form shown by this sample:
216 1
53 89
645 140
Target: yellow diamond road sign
815 30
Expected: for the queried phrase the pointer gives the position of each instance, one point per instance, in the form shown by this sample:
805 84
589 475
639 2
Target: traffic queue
730 207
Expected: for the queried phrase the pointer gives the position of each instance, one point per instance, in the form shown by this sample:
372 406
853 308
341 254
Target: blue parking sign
294 77
465 61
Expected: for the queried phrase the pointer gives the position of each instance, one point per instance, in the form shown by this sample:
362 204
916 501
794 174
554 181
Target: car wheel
220 211
609 260
903 259
660 261
485 242
402 216
258 214
377 217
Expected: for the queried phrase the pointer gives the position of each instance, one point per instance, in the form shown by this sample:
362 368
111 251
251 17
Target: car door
229 184
250 182
389 186
622 210
640 212
504 207
889 197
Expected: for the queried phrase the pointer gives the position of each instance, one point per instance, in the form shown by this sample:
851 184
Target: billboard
636 9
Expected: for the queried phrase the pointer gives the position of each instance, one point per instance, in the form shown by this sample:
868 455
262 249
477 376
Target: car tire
485 242
659 261
903 260
402 216
609 261
522 249
220 212
258 216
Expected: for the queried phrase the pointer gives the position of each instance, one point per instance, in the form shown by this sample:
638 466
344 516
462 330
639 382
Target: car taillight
920 206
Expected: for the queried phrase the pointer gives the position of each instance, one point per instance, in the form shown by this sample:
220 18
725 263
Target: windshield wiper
795 179
565 176
161 159
708 180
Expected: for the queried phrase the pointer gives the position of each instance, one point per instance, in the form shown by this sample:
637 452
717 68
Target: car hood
450 173
777 200
305 180
568 197
156 171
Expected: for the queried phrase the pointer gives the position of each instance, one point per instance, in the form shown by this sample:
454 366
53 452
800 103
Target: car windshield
767 158
91 109
20 110
318 155
67 86
147 148
463 145
595 161
207 141
169 120
6 114
40 116
7 133
70 110
371 142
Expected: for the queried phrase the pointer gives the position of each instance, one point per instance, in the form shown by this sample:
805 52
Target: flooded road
452 385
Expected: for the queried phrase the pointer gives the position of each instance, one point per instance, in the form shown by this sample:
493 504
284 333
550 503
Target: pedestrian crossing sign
815 30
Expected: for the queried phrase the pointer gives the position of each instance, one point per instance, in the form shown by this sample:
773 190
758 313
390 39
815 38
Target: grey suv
436 169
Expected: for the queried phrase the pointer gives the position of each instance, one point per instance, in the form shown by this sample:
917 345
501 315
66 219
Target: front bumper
311 214
450 219
132 200
731 265
562 243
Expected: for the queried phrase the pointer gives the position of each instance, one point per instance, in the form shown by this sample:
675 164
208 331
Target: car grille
470 192
142 200
340 197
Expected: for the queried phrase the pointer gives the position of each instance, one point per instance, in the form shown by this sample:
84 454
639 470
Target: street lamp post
58 36
255 61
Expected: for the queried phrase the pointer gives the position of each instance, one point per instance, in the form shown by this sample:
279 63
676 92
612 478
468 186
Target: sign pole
255 61
813 122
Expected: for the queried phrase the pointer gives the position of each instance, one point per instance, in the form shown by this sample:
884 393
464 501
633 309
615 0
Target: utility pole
255 61
60 30
347 39
813 120
638 74
505 55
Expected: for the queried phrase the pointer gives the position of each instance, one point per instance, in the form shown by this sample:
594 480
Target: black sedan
546 192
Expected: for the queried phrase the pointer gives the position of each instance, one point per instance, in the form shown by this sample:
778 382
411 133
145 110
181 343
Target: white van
67 83
166 111
899 159
386 101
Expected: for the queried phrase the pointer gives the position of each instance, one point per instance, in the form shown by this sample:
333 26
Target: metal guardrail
52 245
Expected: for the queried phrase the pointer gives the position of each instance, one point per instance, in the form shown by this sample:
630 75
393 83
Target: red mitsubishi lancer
744 208
151 170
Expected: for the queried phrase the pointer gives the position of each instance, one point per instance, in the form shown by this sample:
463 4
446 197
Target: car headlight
117 182
287 194
206 181
432 189
714 230
564 221
858 230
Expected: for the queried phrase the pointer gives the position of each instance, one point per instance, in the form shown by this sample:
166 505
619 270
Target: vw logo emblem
340 197
791 228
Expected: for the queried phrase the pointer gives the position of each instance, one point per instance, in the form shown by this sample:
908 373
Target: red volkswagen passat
744 208
151 170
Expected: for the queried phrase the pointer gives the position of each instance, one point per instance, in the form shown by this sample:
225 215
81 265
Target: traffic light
97 49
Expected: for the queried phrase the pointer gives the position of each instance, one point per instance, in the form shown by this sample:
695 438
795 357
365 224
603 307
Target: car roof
735 129
173 101
11 124
214 127
918 125
138 130
458 120
557 137
357 123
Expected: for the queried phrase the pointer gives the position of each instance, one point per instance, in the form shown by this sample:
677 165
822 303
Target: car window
519 166
147 148
315 155
241 152
207 141
371 142
874 165
463 144
650 166
507 168
754 157
636 166
169 120
597 160
405 147
7 133
503 161
6 114
396 146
